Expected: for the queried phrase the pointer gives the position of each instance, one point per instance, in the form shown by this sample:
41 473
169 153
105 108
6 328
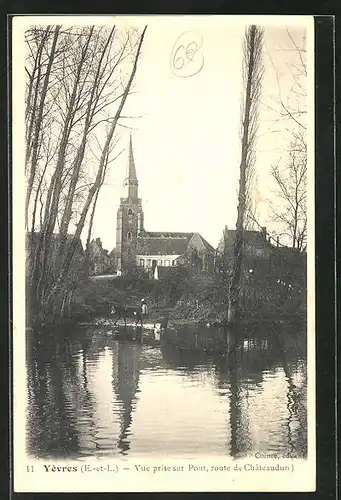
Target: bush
97 296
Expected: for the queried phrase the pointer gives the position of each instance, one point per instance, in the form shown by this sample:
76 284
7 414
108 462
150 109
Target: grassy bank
189 299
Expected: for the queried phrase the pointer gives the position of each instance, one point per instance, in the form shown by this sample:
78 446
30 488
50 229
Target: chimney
277 241
264 231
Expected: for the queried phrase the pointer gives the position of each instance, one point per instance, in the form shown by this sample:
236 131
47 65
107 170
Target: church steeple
129 217
131 178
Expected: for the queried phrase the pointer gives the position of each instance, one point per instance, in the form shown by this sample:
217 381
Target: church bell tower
129 217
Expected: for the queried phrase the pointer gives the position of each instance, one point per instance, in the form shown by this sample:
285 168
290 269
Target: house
100 259
256 245
112 257
147 249
173 249
281 262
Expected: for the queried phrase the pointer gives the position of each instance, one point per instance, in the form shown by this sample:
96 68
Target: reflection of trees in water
51 426
296 401
58 377
230 374
189 348
87 407
245 367
59 395
125 379
240 363
177 357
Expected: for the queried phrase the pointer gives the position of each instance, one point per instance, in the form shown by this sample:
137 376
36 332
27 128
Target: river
188 392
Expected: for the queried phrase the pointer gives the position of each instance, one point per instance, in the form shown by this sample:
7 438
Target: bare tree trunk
71 249
51 211
38 123
62 308
253 72
31 106
79 83
80 154
105 151
71 294
38 193
87 245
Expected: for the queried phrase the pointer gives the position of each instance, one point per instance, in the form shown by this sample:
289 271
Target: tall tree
79 79
289 175
35 109
252 83
289 211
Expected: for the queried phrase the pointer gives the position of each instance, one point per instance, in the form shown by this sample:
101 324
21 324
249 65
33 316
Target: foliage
136 279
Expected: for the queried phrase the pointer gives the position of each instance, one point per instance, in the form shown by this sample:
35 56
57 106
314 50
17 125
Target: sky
186 137
186 131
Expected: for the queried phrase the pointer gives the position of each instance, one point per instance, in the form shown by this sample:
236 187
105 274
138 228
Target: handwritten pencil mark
186 57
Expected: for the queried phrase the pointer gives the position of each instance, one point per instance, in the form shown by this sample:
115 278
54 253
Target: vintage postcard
163 253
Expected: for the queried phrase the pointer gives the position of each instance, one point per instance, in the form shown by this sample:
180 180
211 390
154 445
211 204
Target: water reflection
125 378
188 392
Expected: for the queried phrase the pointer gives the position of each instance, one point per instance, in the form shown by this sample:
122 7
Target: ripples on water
189 394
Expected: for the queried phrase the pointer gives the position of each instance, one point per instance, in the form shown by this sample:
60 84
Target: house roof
207 245
96 248
255 239
112 253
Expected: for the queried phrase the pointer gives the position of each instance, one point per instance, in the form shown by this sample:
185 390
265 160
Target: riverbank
249 321
186 301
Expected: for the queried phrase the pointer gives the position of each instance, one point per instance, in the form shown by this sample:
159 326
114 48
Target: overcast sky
186 143
186 138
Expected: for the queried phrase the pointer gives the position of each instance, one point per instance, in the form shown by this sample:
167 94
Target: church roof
167 234
167 243
161 245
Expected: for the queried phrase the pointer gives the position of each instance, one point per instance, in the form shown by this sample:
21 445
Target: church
154 251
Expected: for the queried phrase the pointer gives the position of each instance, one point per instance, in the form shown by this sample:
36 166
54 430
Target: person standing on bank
144 308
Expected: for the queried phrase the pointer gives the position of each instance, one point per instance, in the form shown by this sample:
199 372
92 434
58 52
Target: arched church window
129 236
130 212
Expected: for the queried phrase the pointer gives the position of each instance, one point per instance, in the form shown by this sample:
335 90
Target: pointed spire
131 170
131 177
